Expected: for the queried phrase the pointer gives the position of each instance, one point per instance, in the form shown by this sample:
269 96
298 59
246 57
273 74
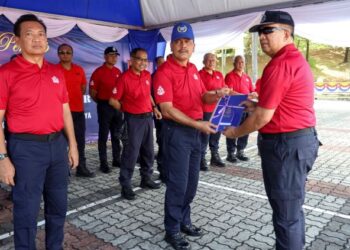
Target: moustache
183 51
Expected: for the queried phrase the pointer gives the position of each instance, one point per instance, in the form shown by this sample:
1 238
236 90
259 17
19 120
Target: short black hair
158 57
134 51
26 18
62 45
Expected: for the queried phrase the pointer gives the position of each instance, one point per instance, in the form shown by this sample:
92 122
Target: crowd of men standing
43 105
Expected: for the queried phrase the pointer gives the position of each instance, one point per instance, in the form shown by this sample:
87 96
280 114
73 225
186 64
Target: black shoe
241 156
82 171
149 184
162 177
105 168
128 193
204 165
216 160
231 158
116 163
191 230
177 241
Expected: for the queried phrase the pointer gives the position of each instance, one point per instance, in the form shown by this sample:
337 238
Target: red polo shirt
134 92
33 97
103 81
211 82
241 84
287 85
75 80
180 85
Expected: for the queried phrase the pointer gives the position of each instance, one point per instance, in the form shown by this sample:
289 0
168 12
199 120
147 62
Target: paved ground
230 205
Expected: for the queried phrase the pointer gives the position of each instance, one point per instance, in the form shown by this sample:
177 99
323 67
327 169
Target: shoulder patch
160 91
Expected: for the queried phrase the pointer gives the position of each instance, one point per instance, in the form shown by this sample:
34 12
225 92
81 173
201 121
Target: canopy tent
110 20
144 23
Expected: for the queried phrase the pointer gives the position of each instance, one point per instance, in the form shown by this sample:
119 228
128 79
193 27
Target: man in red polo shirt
132 94
76 87
110 120
213 80
286 121
180 93
34 98
241 83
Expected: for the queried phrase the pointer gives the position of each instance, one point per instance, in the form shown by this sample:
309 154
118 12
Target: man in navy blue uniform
180 93
286 121
35 161
110 120
132 94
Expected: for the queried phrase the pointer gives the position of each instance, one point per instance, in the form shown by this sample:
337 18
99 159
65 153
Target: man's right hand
206 127
7 172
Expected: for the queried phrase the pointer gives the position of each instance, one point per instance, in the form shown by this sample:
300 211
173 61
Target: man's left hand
157 113
73 156
230 132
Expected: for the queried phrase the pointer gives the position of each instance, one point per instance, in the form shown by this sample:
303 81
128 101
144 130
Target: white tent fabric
165 11
59 27
226 30
327 22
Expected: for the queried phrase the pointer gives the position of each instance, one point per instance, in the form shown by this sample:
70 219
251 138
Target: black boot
116 163
149 183
83 171
177 241
105 168
204 165
216 160
128 193
231 157
241 156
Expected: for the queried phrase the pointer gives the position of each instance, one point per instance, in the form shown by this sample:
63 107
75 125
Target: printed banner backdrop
88 53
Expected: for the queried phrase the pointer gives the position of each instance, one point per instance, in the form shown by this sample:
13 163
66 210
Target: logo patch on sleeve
92 83
160 91
114 91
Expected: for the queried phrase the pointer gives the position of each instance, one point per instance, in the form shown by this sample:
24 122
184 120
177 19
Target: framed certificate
228 112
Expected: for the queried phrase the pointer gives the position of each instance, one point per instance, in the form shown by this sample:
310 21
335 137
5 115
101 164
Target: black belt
34 137
140 116
299 132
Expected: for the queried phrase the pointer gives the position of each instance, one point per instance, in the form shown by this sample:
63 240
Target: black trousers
140 141
239 143
158 126
286 161
182 146
79 130
212 139
109 120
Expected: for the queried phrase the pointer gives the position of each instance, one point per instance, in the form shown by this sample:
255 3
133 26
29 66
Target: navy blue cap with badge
111 50
182 30
273 16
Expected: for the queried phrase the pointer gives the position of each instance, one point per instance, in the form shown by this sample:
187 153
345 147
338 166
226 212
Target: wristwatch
3 156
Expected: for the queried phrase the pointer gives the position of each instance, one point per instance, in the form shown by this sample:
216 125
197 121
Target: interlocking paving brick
225 205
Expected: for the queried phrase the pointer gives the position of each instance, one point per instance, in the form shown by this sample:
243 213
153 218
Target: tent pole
254 56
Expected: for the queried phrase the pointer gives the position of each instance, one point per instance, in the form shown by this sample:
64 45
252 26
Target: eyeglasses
140 59
65 52
269 30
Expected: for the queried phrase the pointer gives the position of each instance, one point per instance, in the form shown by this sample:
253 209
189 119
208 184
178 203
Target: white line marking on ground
265 198
82 208
73 211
